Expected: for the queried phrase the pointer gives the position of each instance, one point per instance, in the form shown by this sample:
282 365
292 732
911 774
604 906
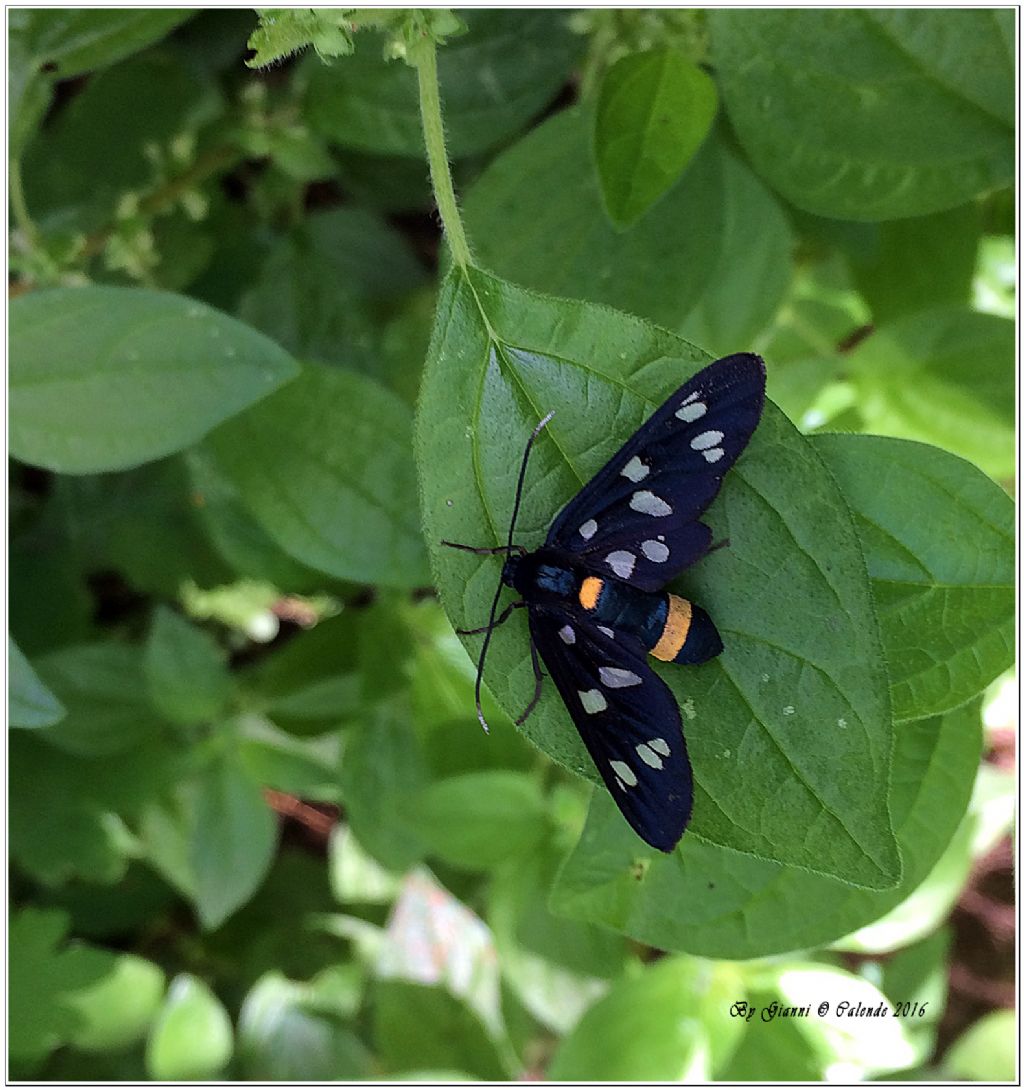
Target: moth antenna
508 551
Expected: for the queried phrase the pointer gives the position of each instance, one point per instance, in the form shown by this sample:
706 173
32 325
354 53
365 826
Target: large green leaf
939 544
493 79
870 115
653 112
536 217
944 376
106 378
192 1037
800 693
708 901
185 670
29 702
325 466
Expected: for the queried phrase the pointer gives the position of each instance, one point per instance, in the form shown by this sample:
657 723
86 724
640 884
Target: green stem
425 57
18 205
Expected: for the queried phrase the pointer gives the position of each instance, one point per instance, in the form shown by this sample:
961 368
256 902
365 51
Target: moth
595 592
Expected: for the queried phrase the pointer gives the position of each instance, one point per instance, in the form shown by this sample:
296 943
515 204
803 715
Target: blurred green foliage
255 830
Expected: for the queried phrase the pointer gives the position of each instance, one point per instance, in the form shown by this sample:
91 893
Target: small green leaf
185 669
231 843
283 31
116 1011
192 1037
282 1036
326 468
479 819
382 767
653 112
421 1026
29 702
869 115
502 72
939 545
501 358
652 1027
987 1052
943 376
102 687
106 378
41 974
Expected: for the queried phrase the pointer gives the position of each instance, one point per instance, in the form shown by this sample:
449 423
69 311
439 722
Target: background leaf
653 112
192 1037
105 378
938 541
845 120
185 670
329 453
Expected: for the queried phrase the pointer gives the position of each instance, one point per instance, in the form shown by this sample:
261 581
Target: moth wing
637 518
627 718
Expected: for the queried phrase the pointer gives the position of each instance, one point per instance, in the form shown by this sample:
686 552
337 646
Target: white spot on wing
689 413
655 550
588 529
625 773
621 563
647 503
706 439
713 455
635 470
615 678
609 632
691 397
660 745
648 756
567 634
593 701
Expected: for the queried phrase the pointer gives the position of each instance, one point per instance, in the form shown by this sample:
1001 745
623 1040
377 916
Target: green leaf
103 689
283 31
232 841
946 377
355 875
185 669
325 467
652 1027
493 79
918 263
987 1052
653 112
116 1011
43 973
939 544
801 650
29 702
869 115
106 378
282 1036
919 975
709 901
536 217
479 819
307 768
192 1037
417 1026
381 768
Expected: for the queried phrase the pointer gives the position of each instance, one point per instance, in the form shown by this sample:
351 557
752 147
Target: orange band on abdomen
677 627
590 591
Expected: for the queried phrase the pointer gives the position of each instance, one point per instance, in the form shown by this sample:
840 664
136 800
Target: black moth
594 590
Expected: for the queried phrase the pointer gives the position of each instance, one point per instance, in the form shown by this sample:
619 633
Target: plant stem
425 57
18 205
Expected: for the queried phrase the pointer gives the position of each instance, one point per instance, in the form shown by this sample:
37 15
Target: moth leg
480 551
505 614
538 678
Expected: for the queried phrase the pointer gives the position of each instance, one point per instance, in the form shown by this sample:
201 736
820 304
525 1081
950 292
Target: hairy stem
425 58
